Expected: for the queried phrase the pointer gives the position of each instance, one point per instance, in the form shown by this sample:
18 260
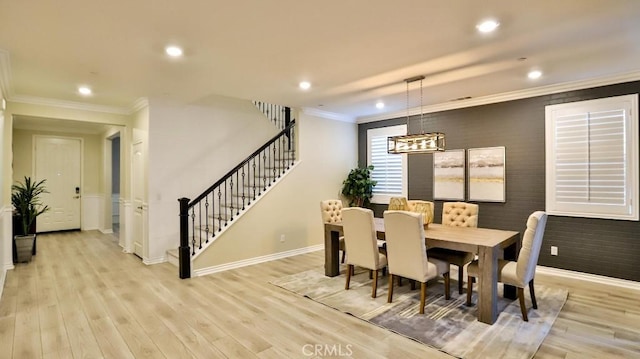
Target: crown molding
33 100
507 96
328 115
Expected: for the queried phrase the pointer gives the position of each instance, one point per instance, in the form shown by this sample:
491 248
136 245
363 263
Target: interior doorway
58 161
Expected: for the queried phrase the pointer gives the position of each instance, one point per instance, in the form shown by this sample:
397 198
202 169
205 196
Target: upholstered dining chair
407 253
332 213
414 205
423 207
457 214
522 272
398 204
362 244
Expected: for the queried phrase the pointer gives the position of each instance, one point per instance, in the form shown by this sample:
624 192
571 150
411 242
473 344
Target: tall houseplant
25 197
358 187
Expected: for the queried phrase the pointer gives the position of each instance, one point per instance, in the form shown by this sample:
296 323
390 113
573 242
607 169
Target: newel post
287 121
184 256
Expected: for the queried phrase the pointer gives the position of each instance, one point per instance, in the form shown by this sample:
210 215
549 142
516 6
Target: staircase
206 217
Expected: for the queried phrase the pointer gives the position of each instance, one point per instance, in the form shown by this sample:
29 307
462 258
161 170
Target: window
389 170
592 158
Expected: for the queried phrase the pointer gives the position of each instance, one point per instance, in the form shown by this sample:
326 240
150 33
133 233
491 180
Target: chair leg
390 295
374 290
423 296
533 295
349 270
523 309
447 286
413 284
370 274
343 255
469 289
460 278
399 281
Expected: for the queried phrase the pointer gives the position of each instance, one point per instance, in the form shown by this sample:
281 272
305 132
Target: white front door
57 160
137 194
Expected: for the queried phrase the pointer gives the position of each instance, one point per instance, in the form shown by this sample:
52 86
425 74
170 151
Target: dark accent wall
597 246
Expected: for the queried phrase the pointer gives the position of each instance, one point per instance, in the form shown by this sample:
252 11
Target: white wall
190 147
327 151
6 230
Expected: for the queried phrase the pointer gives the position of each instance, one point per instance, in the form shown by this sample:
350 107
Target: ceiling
354 52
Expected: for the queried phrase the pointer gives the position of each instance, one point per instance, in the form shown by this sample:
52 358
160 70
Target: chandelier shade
416 143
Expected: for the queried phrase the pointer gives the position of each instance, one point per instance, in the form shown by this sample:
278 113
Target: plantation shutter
590 158
389 170
591 161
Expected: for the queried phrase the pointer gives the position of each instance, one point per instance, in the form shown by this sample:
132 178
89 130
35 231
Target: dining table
488 244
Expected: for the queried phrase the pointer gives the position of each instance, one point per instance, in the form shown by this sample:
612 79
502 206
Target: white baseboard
106 231
256 260
157 260
594 278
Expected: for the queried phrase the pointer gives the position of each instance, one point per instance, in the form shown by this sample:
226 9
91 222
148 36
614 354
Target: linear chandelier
416 143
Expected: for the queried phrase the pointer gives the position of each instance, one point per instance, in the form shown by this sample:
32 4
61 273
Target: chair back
460 214
424 207
398 204
406 250
531 244
360 237
331 210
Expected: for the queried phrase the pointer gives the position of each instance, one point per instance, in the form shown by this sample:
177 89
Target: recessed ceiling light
534 74
173 51
305 85
380 105
487 26
84 90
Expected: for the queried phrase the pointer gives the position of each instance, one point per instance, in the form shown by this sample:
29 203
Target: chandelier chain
407 82
421 114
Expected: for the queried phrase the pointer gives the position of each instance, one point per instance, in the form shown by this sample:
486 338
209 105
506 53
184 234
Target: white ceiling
354 52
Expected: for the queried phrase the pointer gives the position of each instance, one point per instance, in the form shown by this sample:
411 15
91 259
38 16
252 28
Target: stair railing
277 114
204 217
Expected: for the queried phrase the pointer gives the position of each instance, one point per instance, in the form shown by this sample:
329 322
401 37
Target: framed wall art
448 175
486 174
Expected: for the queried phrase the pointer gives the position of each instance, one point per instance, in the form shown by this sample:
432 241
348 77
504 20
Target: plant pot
17 230
24 247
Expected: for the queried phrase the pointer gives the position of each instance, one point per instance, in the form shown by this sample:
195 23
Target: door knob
140 207
76 197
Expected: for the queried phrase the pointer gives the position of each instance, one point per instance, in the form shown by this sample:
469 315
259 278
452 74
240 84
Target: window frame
385 132
629 210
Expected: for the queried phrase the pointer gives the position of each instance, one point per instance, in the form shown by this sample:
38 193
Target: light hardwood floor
81 297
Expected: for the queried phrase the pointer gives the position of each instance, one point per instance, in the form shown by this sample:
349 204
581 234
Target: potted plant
358 187
25 198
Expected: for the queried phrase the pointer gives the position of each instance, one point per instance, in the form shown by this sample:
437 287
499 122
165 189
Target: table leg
488 285
510 253
331 257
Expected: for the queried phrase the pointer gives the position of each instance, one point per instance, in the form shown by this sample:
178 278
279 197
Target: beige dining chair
362 244
331 210
522 272
457 214
407 253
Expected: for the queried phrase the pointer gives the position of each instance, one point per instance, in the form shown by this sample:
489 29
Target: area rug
447 325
